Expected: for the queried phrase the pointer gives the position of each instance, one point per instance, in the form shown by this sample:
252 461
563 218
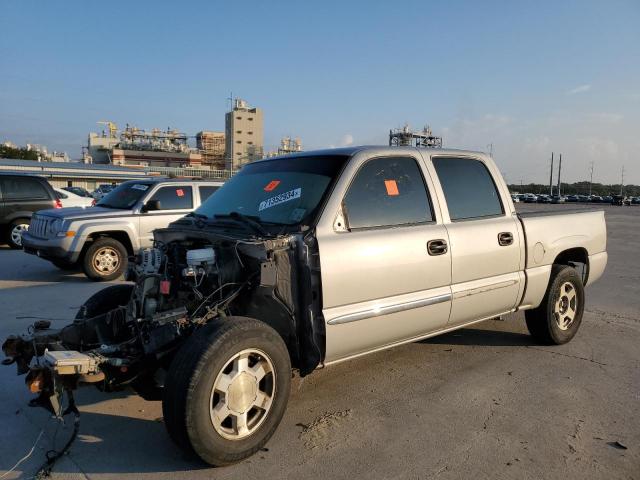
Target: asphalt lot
483 402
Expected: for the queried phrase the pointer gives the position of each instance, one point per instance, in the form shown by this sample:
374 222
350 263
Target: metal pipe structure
551 177
559 172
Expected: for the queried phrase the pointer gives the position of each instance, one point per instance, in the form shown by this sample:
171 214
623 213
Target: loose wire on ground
4 475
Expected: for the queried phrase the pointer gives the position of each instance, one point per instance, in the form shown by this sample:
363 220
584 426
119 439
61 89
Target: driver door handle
437 247
505 238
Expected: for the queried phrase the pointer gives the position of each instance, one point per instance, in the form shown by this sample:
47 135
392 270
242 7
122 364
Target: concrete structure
212 148
244 135
99 148
152 158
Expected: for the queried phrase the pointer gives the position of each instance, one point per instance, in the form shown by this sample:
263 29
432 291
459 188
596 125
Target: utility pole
551 176
559 172
591 179
622 183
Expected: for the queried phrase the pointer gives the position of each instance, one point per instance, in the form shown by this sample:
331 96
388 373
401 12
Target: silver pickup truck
303 261
100 239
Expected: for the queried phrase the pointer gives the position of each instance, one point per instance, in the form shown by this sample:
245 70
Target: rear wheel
105 259
15 232
227 390
557 319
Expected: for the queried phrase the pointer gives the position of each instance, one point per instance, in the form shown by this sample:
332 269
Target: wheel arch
119 235
577 258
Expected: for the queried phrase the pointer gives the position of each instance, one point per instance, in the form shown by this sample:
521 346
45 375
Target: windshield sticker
297 214
139 186
392 188
180 192
272 185
282 198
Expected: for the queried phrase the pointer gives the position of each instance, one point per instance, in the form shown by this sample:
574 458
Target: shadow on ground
482 337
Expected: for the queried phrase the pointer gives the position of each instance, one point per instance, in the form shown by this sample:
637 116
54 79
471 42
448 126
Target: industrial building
287 145
406 137
244 135
211 146
141 148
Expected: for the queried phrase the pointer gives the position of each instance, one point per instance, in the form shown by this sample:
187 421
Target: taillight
58 203
93 202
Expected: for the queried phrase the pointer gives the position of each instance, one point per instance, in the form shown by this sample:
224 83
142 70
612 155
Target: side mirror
150 206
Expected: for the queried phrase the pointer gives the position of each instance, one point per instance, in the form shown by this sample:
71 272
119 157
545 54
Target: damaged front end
128 334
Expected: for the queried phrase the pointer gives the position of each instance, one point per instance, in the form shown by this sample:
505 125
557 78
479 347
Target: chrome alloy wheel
106 260
242 394
16 233
566 306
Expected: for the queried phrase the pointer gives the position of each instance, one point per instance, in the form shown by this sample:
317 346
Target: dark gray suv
20 197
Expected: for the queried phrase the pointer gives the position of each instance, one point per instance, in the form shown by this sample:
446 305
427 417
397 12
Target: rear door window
175 197
206 191
468 188
23 189
387 191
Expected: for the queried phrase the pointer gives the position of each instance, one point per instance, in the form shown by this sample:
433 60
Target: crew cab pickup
101 239
303 261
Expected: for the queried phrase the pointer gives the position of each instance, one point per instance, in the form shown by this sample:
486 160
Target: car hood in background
73 213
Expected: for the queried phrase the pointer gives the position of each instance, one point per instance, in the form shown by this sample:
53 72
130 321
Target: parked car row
545 198
102 190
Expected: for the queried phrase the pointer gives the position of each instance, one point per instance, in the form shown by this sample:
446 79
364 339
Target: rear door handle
437 247
505 238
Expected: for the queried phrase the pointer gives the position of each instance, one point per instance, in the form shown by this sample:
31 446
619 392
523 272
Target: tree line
17 153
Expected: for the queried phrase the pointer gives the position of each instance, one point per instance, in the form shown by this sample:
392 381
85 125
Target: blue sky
529 77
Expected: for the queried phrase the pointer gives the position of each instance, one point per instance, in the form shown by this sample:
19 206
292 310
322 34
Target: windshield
124 196
284 191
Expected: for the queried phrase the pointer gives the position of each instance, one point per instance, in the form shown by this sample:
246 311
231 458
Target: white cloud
579 89
346 140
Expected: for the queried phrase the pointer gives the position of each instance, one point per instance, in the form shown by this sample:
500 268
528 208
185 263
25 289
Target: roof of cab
352 150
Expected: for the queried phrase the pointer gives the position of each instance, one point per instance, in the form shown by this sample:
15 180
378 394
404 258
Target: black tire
117 252
105 300
66 266
543 322
18 223
190 381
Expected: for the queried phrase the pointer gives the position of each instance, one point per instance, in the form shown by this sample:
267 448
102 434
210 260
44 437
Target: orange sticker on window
180 192
392 187
272 185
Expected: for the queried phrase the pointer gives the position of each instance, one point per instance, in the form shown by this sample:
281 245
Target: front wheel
15 232
557 319
227 390
105 259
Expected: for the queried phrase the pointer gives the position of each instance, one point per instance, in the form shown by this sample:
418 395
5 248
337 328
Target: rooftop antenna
230 98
